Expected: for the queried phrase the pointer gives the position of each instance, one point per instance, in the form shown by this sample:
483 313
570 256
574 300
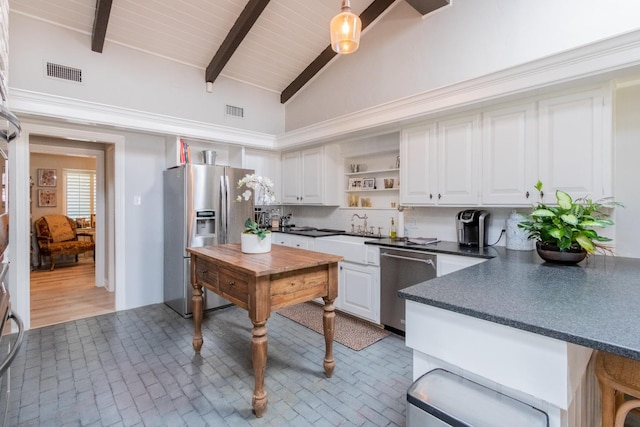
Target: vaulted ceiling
278 45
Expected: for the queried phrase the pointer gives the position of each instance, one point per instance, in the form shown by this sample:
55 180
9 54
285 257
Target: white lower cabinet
359 290
293 240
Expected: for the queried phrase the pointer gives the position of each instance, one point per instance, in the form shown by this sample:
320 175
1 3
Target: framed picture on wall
47 178
47 198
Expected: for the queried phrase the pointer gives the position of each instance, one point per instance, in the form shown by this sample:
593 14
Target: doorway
75 288
112 228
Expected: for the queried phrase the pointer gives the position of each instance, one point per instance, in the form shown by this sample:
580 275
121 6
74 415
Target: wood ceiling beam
240 29
427 6
100 22
369 15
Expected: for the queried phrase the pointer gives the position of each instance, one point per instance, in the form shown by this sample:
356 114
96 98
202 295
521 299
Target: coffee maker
471 227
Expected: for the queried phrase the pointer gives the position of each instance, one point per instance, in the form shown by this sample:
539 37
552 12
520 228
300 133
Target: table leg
197 317
328 322
259 360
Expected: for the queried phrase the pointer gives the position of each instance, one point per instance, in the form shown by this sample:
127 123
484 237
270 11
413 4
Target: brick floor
137 368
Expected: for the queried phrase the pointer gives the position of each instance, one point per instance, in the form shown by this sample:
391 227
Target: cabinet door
301 242
418 167
311 175
280 239
291 177
575 145
360 290
458 161
509 161
264 163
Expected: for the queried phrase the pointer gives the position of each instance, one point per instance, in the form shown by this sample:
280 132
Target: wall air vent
234 111
63 72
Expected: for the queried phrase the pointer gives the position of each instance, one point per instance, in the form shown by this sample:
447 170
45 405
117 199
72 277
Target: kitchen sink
352 248
302 228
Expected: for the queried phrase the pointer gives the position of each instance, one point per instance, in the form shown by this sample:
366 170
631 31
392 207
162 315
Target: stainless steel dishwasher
400 269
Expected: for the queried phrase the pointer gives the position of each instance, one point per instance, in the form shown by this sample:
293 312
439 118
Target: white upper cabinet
563 141
439 163
267 164
575 145
418 165
291 167
309 176
509 161
459 159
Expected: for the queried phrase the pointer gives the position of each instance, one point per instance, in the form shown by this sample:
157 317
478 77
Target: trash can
440 398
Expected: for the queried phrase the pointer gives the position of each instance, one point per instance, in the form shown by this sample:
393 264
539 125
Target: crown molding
593 63
91 113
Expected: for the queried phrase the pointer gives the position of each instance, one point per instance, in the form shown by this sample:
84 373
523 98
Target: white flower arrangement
264 195
261 186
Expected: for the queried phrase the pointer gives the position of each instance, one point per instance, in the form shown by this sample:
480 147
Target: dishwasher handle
426 261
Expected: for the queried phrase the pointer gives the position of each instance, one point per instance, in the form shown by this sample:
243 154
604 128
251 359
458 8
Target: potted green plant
565 233
256 238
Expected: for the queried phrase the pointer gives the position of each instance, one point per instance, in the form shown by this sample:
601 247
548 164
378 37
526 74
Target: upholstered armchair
57 235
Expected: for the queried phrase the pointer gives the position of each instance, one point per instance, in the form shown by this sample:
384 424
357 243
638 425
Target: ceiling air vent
234 111
63 72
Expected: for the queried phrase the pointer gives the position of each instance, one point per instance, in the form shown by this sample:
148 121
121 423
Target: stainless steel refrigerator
200 209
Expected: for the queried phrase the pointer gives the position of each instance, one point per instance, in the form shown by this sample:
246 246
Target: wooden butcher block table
262 283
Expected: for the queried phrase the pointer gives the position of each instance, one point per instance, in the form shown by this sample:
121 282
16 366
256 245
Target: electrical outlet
137 200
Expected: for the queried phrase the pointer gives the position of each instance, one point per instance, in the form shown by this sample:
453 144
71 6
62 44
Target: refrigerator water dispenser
205 223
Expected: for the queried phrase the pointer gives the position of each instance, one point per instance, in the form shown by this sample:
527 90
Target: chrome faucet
365 217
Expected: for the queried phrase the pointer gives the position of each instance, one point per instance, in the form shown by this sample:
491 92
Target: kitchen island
528 328
262 283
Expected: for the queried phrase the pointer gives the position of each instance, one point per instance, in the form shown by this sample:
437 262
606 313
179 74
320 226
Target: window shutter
80 193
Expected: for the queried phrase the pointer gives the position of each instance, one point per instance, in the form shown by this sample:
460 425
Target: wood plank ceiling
278 45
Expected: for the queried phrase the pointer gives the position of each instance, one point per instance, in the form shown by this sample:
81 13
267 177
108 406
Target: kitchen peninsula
528 328
260 284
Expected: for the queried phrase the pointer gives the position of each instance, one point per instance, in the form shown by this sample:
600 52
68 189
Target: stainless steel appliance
400 269
200 209
472 227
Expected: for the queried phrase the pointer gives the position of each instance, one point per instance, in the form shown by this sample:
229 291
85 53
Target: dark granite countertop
451 248
310 231
593 304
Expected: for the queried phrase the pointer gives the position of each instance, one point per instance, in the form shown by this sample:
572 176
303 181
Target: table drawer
234 286
206 273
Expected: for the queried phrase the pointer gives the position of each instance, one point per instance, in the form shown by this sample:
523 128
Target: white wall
626 171
134 80
145 158
403 55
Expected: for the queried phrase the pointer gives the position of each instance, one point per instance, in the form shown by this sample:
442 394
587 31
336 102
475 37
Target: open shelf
372 191
373 172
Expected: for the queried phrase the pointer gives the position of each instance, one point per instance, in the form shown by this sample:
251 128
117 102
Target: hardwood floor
67 293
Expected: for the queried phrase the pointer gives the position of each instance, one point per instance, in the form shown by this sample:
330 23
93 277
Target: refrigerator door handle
227 208
223 211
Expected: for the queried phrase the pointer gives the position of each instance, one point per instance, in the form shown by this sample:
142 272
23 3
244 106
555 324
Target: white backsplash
436 222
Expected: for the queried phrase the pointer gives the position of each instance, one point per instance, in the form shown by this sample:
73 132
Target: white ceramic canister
517 238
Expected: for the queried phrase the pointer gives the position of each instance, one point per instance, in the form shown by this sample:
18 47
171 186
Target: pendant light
345 30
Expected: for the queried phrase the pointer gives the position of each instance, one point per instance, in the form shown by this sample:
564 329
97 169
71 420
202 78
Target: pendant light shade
345 30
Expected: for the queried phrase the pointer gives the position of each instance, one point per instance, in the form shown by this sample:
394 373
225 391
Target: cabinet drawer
233 286
206 273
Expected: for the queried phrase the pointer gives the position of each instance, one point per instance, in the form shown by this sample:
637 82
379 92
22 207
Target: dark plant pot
551 253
